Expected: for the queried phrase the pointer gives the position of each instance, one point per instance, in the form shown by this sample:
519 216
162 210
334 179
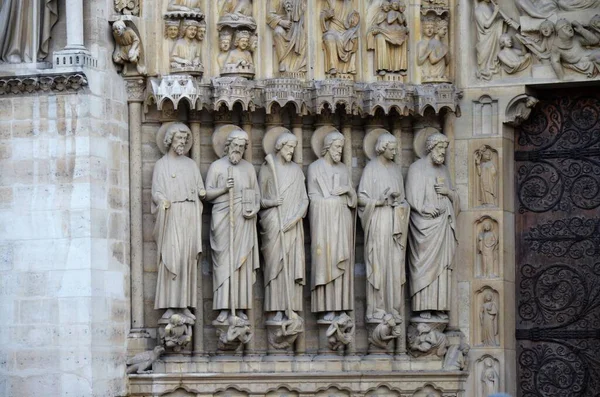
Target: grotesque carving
128 48
385 331
388 37
232 187
284 201
489 29
141 363
427 339
384 214
570 51
432 235
456 358
512 59
488 320
286 18
186 55
341 332
331 224
487 194
177 334
177 188
432 53
339 24
487 249
234 333
25 30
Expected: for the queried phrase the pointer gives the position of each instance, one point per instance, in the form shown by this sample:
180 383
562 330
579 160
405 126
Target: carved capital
136 86
519 109
45 83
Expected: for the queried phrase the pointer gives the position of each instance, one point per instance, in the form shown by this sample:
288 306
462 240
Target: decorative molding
127 7
57 83
136 87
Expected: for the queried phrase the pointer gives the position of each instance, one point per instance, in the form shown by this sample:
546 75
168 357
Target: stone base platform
298 376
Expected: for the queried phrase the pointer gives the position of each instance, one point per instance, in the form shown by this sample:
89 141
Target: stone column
347 132
74 10
448 130
247 126
297 131
135 95
397 132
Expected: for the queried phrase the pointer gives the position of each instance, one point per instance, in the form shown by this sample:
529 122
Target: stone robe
488 41
487 247
295 203
386 231
433 54
178 230
245 244
390 42
340 39
431 241
186 50
487 180
25 27
513 61
489 324
332 238
290 44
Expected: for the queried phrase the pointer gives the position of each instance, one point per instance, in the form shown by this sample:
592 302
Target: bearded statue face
236 150
438 153
178 142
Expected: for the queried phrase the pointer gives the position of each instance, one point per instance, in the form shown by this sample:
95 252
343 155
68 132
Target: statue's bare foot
426 314
442 315
278 317
329 316
282 68
382 73
188 313
242 315
223 316
333 71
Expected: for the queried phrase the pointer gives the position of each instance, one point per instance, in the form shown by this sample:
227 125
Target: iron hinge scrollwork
537 334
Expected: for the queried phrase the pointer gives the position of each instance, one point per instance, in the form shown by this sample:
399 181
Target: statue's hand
229 184
165 204
285 24
441 189
341 190
431 211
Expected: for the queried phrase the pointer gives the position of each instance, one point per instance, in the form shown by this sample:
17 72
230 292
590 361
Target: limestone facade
78 260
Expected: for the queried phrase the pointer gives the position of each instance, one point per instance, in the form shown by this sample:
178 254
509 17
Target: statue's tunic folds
245 244
431 241
332 238
178 230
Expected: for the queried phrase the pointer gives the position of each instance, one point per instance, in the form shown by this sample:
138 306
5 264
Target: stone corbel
125 30
518 110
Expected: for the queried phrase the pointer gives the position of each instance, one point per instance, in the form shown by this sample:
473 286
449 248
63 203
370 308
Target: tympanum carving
186 55
236 27
339 24
388 38
287 19
433 54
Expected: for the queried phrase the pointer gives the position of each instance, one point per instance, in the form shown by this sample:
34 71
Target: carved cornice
307 97
56 83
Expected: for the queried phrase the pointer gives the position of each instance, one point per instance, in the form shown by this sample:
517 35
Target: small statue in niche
341 332
432 53
286 18
178 332
489 378
540 47
240 56
172 32
225 37
339 24
142 362
487 247
489 29
486 170
184 6
569 50
128 48
488 320
388 36
385 331
187 51
512 59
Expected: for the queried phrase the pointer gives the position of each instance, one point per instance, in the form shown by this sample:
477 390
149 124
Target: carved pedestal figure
332 230
286 18
177 188
388 37
128 48
339 24
384 214
284 203
232 188
488 321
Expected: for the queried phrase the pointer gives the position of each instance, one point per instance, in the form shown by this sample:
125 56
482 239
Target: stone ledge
46 82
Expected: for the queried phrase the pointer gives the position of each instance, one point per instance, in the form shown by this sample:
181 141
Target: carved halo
319 136
370 141
219 137
420 142
271 138
160 137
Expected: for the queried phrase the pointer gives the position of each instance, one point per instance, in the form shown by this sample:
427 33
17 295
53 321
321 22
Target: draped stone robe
431 241
245 244
178 230
295 203
186 50
488 44
332 238
386 232
290 44
339 37
390 42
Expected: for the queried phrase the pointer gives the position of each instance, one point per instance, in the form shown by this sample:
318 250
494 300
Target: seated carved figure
569 50
513 60
241 56
186 52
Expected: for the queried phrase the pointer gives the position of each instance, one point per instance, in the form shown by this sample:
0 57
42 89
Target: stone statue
512 59
184 5
186 55
488 320
232 188
384 214
456 358
127 7
128 48
426 340
142 362
172 32
432 53
540 47
236 14
385 331
177 188
489 29
432 235
388 36
240 56
487 173
284 203
286 18
489 378
178 332
225 37
570 51
25 29
332 230
238 333
341 332
339 24
487 247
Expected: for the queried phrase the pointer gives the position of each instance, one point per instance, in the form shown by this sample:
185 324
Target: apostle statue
284 203
286 18
332 228
339 24
432 237
384 214
232 188
177 188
